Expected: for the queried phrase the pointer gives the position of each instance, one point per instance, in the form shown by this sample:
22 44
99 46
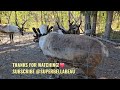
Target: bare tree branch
16 19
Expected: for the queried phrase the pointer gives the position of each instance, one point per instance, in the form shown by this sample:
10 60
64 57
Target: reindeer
73 28
60 29
45 29
10 29
41 31
79 51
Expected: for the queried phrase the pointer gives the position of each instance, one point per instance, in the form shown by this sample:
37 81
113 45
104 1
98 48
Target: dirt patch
25 50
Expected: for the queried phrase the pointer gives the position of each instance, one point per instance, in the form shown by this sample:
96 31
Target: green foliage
101 21
49 17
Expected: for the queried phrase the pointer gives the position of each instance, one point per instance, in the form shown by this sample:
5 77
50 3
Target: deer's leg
92 74
53 76
90 64
50 60
58 76
88 67
89 71
11 37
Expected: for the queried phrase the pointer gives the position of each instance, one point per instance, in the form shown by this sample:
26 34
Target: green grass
115 35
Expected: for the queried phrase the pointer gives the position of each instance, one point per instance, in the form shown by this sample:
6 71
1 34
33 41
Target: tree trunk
94 23
41 18
44 17
0 20
57 17
69 18
0 17
16 18
87 23
81 22
108 25
61 18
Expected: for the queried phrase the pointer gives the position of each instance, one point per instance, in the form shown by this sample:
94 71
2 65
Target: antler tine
24 23
58 25
71 23
80 24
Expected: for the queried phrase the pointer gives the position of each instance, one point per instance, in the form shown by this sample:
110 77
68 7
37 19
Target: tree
3 14
87 22
69 18
108 25
94 23
8 15
23 18
0 17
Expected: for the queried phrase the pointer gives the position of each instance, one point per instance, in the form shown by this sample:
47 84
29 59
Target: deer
10 29
73 28
41 31
78 51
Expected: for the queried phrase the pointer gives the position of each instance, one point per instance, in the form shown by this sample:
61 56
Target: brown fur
79 51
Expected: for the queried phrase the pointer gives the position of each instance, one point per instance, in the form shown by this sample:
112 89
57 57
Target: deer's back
71 46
